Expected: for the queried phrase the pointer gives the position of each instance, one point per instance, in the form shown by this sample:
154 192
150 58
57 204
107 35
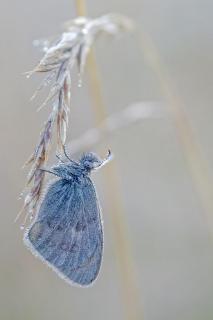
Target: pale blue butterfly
67 233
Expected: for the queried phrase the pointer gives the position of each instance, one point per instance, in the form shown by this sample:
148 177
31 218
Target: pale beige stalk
120 230
197 165
71 47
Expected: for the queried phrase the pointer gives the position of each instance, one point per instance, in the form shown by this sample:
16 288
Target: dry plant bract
71 48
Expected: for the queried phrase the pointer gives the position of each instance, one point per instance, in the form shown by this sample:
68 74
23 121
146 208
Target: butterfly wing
67 233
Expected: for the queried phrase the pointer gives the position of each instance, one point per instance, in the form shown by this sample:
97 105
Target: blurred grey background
166 216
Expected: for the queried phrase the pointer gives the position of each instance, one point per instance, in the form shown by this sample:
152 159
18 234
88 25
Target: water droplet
79 80
35 43
22 227
20 196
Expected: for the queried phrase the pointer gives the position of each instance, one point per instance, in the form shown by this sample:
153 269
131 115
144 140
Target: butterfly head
90 161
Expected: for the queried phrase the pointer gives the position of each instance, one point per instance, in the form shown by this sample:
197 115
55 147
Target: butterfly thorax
77 170
73 172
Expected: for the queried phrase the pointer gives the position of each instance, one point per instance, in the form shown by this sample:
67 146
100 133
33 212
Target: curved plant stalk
71 48
197 165
137 112
120 229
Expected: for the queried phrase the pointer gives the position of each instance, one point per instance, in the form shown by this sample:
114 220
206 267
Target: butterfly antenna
108 158
65 153
59 158
48 171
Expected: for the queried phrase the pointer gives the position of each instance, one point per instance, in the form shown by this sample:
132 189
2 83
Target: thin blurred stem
191 149
96 89
122 242
81 7
120 229
131 115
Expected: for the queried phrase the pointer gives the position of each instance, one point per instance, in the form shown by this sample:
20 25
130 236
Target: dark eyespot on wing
71 239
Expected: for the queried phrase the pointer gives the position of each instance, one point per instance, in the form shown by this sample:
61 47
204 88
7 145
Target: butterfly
67 233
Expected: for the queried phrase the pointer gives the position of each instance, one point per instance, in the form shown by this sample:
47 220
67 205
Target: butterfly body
67 233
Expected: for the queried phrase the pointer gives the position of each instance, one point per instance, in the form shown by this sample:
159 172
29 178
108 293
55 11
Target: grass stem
120 230
191 149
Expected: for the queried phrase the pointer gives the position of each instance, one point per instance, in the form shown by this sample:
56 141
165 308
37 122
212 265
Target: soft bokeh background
171 246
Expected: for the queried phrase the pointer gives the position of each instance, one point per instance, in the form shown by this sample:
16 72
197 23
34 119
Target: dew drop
36 43
21 195
79 80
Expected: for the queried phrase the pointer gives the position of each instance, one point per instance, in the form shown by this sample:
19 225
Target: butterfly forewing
67 233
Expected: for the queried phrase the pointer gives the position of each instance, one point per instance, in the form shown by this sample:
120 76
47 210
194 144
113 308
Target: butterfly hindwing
67 233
